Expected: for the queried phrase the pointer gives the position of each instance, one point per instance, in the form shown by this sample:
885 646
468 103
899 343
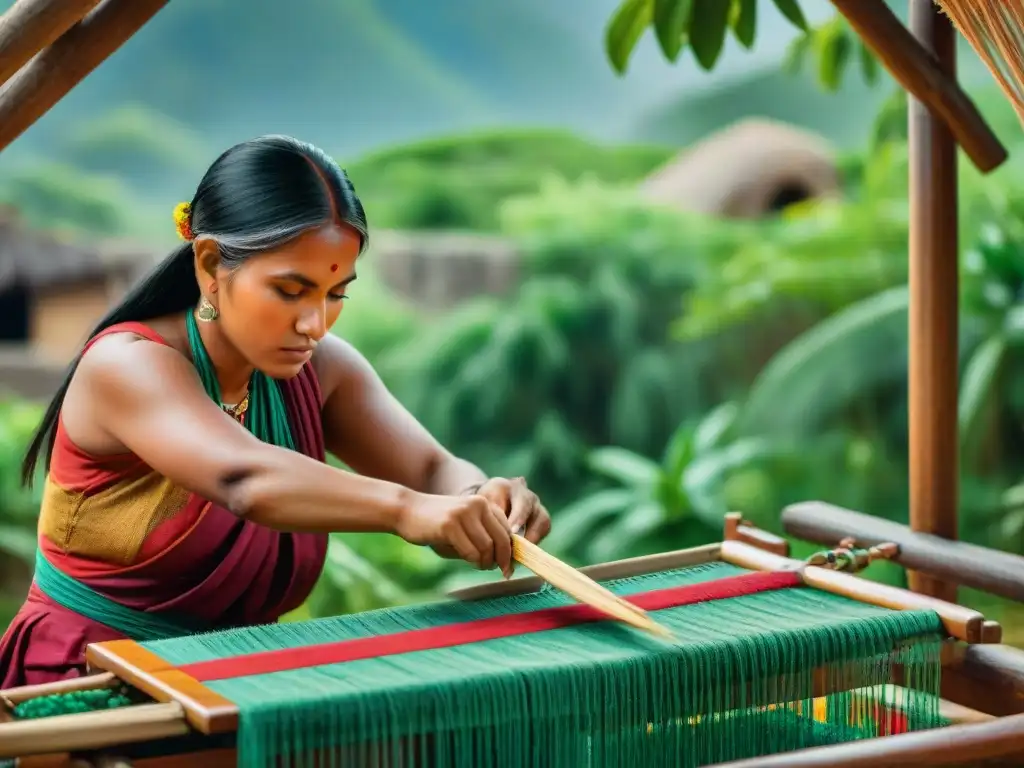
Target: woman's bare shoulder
116 372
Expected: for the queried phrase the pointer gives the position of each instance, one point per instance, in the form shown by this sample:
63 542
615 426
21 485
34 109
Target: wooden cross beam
31 25
925 76
76 46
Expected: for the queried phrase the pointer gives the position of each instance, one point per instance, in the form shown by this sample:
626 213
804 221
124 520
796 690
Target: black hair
255 197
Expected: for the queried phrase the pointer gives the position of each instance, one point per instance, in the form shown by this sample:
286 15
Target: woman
187 489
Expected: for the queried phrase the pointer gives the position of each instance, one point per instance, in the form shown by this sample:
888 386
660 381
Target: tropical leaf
628 468
627 25
617 539
641 399
708 26
671 25
792 11
743 20
833 45
830 366
869 66
580 520
704 479
977 385
345 568
796 54
835 42
679 451
714 427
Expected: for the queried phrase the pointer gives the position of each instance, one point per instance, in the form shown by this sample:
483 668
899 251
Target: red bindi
334 267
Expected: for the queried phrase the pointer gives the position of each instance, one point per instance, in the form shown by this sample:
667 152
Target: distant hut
751 169
437 270
52 292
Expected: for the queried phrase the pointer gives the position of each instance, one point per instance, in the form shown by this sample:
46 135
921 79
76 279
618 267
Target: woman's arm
367 428
147 397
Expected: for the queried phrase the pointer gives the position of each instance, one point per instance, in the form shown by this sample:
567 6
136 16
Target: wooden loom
179 722
48 46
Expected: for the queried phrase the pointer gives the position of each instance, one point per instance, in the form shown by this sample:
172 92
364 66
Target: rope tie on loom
266 418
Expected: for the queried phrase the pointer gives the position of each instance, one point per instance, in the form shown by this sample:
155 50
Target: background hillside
356 75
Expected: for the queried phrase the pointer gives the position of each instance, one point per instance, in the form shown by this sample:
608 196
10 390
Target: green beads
71 703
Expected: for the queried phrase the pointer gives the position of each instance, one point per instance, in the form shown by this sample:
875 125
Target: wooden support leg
933 307
44 81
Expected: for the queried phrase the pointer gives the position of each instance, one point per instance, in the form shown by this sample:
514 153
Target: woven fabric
596 694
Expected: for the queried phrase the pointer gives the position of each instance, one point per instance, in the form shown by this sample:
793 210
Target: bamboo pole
44 81
933 373
15 696
92 730
911 63
29 26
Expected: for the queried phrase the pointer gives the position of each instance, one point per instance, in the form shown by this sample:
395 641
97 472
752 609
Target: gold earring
207 312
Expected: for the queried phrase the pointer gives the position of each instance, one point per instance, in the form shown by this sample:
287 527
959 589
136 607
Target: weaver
187 488
766 655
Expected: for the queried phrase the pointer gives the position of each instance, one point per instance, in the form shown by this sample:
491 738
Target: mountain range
359 74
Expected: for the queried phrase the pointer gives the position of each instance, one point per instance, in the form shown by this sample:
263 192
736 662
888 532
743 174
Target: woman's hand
520 504
469 526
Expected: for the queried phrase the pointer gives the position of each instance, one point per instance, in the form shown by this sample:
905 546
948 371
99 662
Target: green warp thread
71 703
589 696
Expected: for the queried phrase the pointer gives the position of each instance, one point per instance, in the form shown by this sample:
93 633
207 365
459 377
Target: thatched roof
741 170
40 260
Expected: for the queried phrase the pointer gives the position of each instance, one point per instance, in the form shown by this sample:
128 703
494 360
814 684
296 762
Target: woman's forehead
333 248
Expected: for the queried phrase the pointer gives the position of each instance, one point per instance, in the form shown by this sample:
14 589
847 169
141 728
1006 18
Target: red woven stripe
265 662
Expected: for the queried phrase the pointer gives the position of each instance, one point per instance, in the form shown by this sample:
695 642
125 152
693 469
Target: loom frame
185 715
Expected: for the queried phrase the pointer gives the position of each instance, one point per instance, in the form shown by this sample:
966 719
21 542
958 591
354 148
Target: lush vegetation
656 369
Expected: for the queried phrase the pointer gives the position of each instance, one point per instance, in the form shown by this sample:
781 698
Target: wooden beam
954 745
989 678
934 306
914 65
31 25
959 622
969 565
44 81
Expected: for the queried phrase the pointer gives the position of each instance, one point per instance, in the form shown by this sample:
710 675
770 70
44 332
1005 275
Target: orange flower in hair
183 220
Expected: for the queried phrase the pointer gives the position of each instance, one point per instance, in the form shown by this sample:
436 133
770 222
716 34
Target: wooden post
45 80
31 25
934 444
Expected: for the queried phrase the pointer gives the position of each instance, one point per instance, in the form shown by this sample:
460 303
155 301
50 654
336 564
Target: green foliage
130 135
655 369
834 46
56 196
19 506
651 506
460 182
374 320
579 356
138 144
849 356
702 26
817 258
